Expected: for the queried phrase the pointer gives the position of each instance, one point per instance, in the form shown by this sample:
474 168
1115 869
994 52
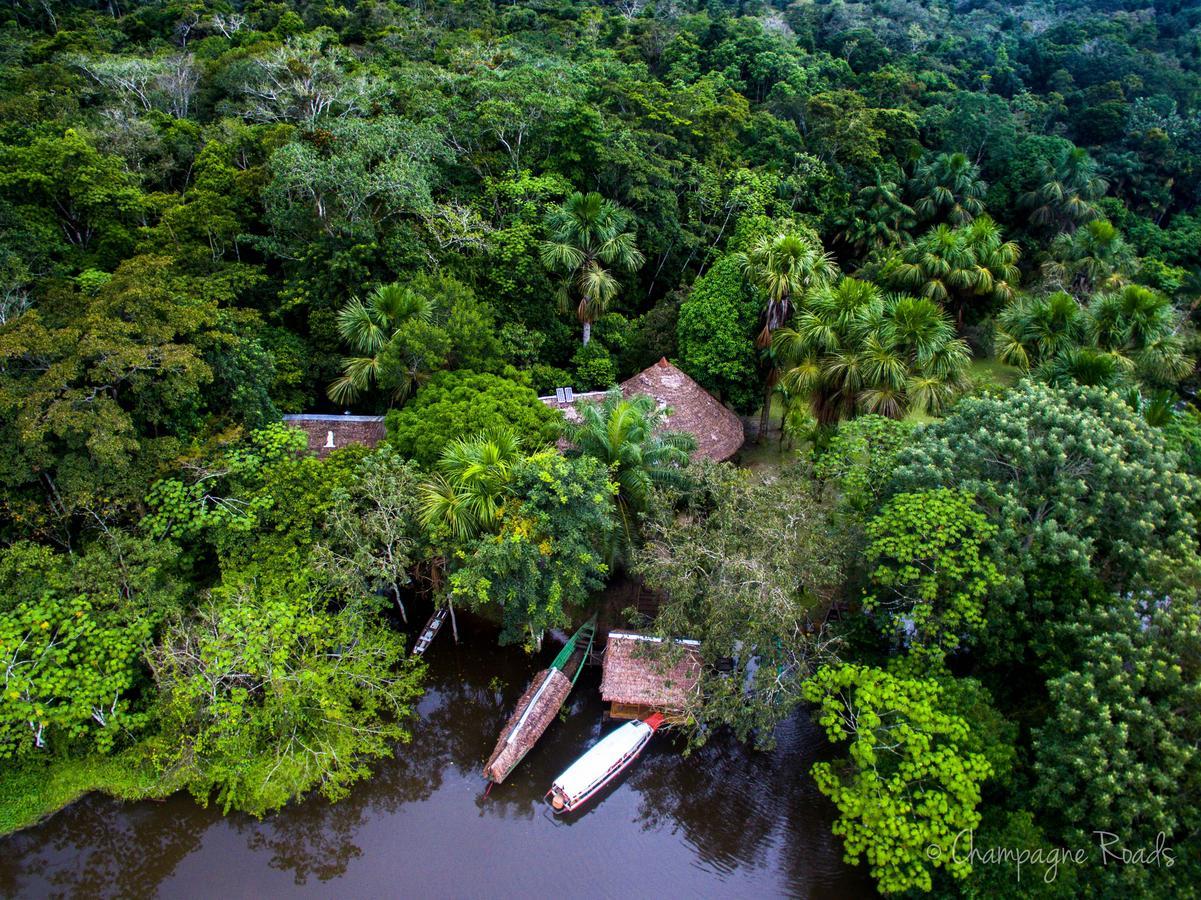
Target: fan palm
588 237
368 328
783 265
1066 197
850 350
1143 330
1094 257
1032 330
627 435
952 266
948 187
878 218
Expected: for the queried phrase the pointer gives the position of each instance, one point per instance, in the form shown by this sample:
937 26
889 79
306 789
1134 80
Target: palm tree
952 266
1070 187
948 187
1032 330
851 349
1093 257
369 328
627 435
1143 331
465 497
1134 334
878 218
589 236
784 265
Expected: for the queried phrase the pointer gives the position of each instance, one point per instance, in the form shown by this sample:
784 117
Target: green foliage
458 403
716 334
928 558
860 458
908 788
373 533
69 674
1082 493
1118 753
266 695
546 555
745 567
594 368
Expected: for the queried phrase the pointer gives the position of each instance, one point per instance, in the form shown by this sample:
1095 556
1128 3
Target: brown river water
723 822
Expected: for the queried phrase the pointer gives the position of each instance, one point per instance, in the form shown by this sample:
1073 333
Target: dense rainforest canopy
946 256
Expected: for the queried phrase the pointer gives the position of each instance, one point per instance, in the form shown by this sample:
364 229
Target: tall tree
784 264
588 236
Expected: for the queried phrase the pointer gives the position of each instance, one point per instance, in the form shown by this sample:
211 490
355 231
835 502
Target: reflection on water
723 821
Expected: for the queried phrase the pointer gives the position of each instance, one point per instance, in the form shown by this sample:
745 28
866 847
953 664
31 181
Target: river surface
724 822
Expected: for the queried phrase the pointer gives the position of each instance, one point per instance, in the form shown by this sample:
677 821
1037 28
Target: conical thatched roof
717 430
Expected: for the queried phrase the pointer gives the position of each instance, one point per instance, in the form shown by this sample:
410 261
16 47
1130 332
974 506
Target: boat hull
597 768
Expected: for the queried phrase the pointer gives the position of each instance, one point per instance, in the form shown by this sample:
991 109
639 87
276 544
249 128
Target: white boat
602 763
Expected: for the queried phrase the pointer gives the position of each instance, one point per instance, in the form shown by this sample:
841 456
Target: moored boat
607 759
540 704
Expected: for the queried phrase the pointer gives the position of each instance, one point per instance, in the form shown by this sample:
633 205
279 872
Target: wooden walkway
431 629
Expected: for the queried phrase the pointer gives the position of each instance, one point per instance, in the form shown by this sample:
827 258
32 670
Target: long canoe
540 704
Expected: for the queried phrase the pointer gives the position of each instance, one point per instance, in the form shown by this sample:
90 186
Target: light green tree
907 789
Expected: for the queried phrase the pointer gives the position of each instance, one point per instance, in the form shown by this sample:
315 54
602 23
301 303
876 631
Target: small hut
637 681
717 430
327 433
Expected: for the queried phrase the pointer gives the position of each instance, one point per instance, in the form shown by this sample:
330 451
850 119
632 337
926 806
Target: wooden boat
540 704
607 759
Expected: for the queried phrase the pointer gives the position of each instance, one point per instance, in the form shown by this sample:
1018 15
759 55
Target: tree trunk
454 626
587 333
765 416
403 614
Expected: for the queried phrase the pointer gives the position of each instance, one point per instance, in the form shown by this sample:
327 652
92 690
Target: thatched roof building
637 679
717 430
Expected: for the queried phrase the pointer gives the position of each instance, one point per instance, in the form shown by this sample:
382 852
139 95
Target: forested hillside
946 256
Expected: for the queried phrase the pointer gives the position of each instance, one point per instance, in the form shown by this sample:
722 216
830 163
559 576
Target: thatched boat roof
717 430
637 671
508 753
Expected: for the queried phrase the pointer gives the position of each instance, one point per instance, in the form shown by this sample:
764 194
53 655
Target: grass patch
31 792
989 370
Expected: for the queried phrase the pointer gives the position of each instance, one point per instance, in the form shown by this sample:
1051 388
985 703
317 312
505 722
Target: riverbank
31 794
726 821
